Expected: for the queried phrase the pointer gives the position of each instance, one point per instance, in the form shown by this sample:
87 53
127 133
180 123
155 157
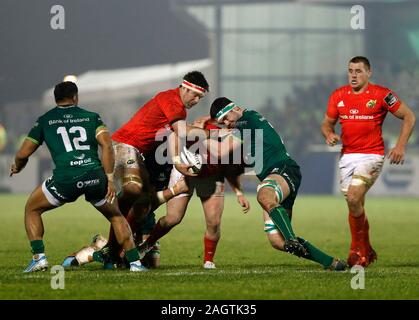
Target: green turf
247 267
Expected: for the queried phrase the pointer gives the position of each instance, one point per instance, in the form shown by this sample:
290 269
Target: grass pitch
247 267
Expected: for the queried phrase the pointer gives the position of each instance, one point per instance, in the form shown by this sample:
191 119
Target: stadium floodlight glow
71 78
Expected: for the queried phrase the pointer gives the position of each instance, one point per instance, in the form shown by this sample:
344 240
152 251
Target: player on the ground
110 252
73 136
279 174
361 108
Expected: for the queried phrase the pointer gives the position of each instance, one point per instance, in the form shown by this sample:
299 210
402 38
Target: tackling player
279 174
209 186
361 108
73 136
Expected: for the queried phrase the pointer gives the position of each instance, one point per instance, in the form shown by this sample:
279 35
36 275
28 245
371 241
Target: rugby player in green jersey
262 149
72 135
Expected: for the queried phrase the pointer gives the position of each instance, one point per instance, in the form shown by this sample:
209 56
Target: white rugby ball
194 159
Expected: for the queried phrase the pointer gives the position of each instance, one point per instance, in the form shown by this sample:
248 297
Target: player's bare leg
153 256
132 184
123 235
213 210
35 206
175 211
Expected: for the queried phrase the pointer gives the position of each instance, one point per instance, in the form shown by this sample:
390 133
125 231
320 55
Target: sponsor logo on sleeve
391 99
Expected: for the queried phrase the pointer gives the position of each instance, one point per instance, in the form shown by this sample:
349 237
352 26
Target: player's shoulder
341 91
377 89
48 115
168 94
84 110
86 113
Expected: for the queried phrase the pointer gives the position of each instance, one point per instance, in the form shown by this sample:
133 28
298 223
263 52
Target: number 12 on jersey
81 137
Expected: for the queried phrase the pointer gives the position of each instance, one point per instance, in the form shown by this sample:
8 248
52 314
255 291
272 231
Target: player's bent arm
200 122
186 131
174 152
229 144
406 114
328 130
108 158
397 153
22 156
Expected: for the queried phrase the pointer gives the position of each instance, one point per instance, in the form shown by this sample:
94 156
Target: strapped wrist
110 176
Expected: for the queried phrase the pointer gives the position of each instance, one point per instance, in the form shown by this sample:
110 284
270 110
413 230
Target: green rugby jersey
263 147
70 134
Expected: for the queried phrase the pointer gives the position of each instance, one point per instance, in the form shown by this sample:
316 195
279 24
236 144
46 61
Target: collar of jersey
66 106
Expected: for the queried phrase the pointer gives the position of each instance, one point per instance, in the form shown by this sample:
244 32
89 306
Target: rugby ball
194 159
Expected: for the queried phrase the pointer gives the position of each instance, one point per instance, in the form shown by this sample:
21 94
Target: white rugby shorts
358 168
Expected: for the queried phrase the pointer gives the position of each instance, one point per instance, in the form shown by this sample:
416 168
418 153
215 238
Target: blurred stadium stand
282 58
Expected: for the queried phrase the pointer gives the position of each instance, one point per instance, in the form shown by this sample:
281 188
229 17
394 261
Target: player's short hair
217 105
65 90
197 78
362 59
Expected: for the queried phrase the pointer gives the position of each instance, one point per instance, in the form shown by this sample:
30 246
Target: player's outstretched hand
244 203
332 139
13 169
396 155
185 169
110 196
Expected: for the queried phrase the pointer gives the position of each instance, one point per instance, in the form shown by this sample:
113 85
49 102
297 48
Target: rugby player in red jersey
139 137
361 108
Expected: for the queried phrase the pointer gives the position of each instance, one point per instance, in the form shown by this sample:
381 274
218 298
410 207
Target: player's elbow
412 118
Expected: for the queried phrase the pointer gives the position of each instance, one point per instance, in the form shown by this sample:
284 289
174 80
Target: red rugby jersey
158 113
361 116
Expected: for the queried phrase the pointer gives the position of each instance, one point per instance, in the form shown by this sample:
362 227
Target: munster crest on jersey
371 104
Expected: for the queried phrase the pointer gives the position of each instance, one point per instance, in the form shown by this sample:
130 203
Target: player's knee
171 221
266 201
353 199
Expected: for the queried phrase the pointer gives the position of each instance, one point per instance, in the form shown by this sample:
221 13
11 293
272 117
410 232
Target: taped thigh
358 180
270 183
132 178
